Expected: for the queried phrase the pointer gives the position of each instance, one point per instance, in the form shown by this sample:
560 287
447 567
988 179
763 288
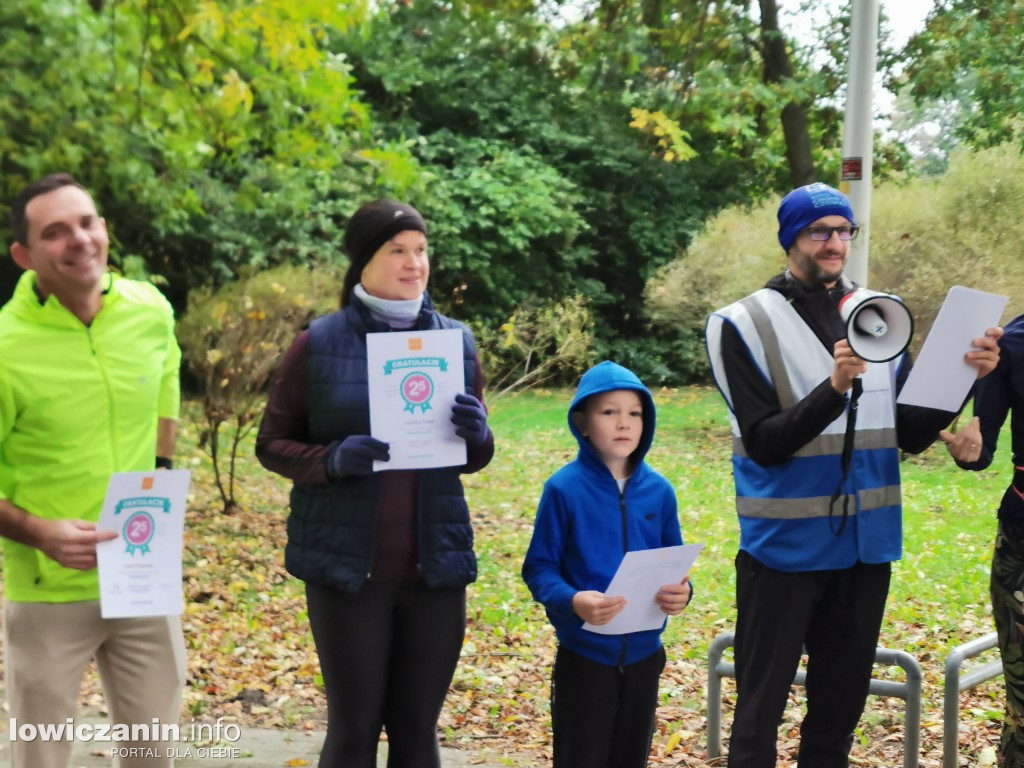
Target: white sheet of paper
140 570
413 379
941 378
639 577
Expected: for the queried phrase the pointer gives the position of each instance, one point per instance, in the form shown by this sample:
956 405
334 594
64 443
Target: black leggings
387 655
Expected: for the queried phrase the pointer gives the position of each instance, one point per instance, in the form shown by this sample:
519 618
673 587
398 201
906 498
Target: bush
233 338
734 255
666 356
927 234
961 228
540 344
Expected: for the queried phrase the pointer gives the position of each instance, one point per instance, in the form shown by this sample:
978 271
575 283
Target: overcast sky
905 17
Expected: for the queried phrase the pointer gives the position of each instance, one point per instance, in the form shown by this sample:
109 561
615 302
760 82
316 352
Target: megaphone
878 326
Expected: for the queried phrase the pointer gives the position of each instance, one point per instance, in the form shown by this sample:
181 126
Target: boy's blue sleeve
671 532
542 568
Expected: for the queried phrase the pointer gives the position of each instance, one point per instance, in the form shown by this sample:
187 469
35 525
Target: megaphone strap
846 459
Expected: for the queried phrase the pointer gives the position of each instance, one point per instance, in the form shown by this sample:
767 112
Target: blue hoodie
584 526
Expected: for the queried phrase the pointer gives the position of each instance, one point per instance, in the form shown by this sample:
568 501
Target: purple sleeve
282 444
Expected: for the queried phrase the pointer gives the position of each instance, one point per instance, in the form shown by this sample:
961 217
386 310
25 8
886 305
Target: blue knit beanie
805 205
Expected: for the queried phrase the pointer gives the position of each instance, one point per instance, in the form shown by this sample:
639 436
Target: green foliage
502 223
554 150
969 56
214 134
733 256
538 344
232 340
927 234
961 228
540 187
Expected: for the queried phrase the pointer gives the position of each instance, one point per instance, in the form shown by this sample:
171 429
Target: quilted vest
331 528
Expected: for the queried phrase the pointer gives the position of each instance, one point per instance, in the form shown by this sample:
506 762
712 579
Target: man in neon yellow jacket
88 386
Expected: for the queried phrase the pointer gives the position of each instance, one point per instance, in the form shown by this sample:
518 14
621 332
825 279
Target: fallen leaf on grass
673 742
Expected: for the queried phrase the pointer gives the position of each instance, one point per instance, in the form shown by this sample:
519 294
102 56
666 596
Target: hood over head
605 377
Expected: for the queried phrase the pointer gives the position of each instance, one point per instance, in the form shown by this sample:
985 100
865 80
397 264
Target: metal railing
956 683
910 691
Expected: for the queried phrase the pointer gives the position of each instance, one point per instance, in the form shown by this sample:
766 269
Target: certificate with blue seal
413 377
140 570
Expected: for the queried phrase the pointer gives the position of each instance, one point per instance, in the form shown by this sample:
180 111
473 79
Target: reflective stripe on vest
784 509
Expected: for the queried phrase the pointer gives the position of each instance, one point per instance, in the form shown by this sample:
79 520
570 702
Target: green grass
939 593
948 529
251 654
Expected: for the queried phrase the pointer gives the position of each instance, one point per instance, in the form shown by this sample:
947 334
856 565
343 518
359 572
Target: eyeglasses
822 234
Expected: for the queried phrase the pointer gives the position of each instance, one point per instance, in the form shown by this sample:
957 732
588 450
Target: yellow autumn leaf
214 356
296 761
673 742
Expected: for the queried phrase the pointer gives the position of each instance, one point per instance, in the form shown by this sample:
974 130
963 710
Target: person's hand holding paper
595 608
961 347
640 584
673 598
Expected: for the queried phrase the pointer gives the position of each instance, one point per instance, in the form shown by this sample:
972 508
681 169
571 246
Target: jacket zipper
625 549
111 416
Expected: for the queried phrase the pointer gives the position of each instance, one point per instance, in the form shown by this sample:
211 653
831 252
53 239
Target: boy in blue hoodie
604 688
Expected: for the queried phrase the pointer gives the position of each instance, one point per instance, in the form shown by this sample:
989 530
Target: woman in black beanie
386 557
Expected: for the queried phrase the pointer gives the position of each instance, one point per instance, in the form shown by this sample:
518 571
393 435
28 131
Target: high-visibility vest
787 517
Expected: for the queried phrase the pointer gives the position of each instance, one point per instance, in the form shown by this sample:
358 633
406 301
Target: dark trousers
1007 586
387 655
603 717
837 615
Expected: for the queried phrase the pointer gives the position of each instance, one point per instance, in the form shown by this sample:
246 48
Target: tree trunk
777 68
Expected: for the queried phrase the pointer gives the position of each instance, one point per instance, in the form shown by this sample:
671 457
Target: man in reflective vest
819 526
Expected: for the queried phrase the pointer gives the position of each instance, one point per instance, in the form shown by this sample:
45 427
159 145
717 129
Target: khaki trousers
46 649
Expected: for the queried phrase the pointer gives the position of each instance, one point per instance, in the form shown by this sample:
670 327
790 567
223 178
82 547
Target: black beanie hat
369 228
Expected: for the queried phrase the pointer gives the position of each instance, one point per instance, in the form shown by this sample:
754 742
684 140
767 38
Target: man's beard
815 272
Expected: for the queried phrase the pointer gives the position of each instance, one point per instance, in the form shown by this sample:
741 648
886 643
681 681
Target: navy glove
470 420
355 455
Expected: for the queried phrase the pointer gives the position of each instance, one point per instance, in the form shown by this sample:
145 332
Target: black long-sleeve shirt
771 434
999 394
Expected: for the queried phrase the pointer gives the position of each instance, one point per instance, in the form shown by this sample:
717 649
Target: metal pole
910 691
715 674
858 130
955 683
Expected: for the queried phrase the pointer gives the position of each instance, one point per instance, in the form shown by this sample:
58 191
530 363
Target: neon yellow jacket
76 404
